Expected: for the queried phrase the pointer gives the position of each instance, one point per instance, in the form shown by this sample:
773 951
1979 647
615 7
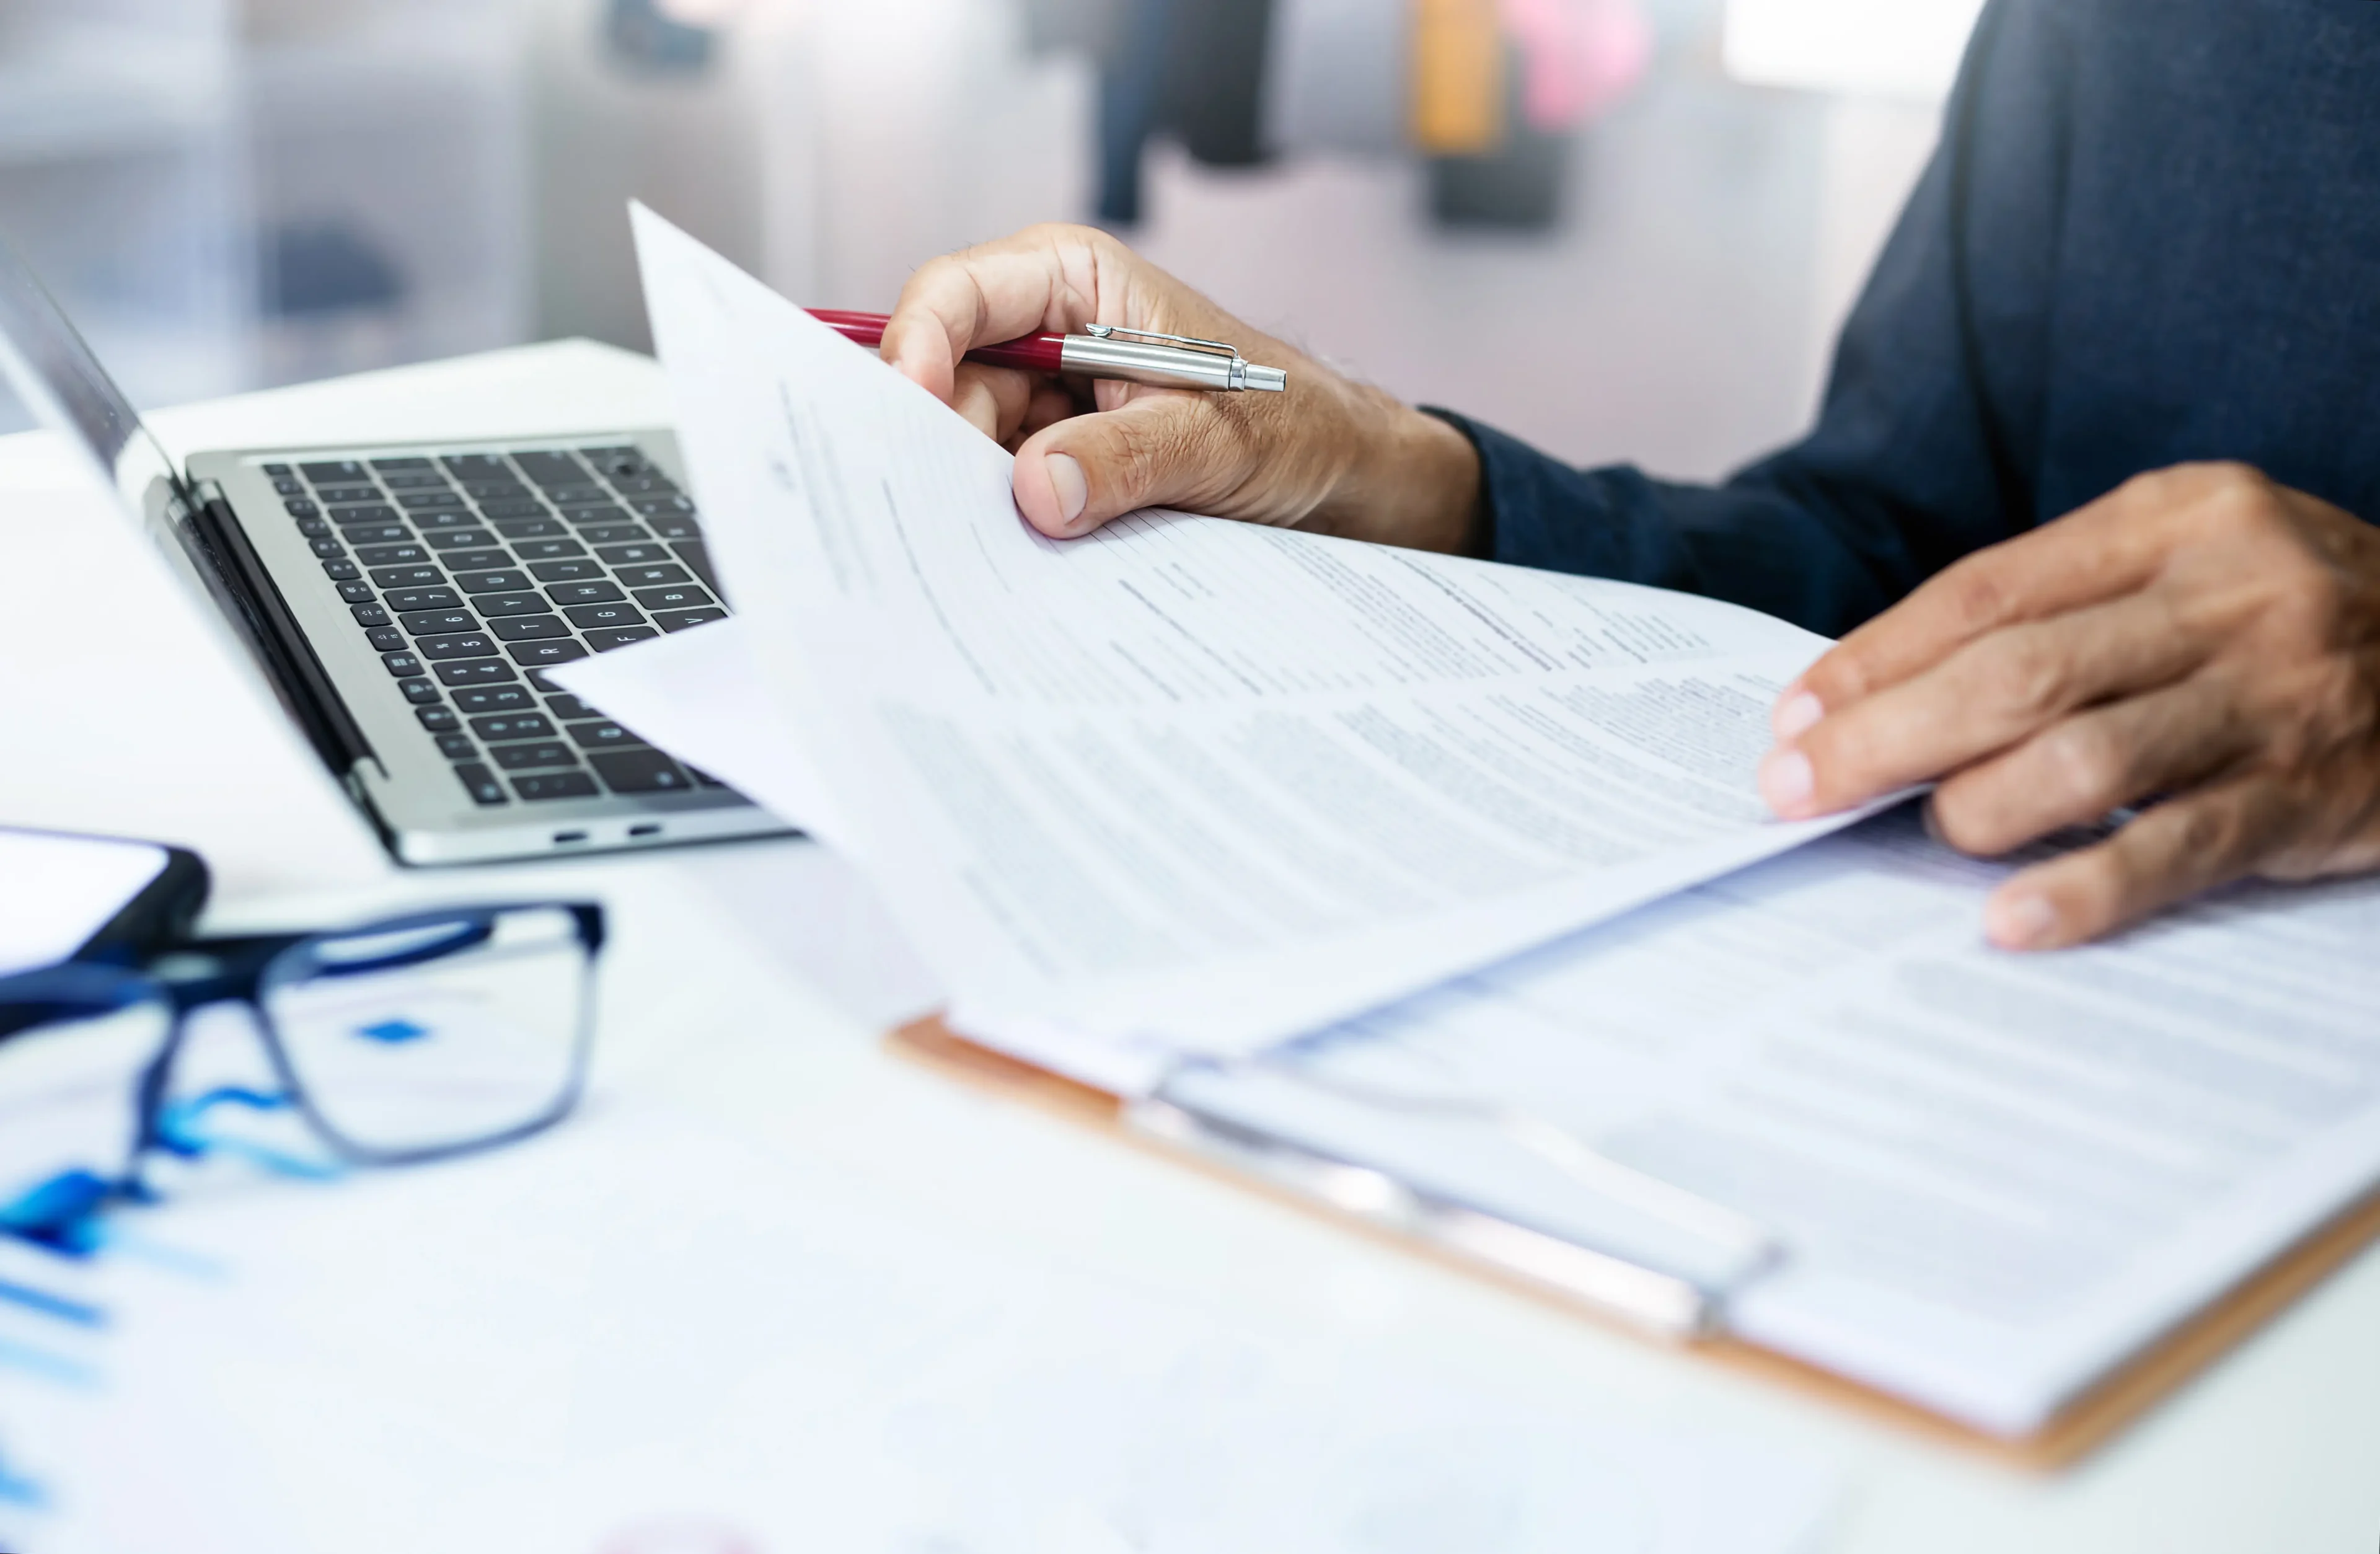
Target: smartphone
97 898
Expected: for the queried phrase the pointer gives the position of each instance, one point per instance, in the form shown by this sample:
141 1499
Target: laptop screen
44 359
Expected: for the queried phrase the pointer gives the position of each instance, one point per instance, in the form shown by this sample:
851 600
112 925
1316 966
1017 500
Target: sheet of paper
1996 1175
640 1335
1193 783
55 891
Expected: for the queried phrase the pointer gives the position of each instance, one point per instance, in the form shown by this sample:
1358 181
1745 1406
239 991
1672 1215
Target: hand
2202 642
1328 455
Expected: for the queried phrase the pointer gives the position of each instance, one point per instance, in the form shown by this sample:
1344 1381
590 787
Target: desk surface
120 719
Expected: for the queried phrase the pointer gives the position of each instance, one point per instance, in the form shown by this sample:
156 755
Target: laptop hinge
304 686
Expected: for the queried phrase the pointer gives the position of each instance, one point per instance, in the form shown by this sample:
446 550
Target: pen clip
1214 347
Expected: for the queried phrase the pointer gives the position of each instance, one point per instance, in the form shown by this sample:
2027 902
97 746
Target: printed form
1189 785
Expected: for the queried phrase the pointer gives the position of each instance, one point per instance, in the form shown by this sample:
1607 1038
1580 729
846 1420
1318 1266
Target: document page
1189 783
1994 1177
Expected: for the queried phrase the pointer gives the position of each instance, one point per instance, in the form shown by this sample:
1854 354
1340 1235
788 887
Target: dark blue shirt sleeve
1930 421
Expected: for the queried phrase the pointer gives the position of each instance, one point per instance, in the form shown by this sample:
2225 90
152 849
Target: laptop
405 601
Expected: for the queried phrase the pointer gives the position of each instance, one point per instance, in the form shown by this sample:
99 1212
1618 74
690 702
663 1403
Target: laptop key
477 561
566 571
552 468
370 513
540 546
357 593
330 550
567 707
506 490
604 736
409 461
410 480
490 582
597 513
511 603
474 672
530 528
675 527
438 720
469 644
407 576
640 771
522 725
481 783
654 507
421 693
456 746
644 485
401 664
524 757
342 571
333 472
683 597
586 593
698 556
618 637
492 698
450 518
546 654
314 529
530 628
577 496
612 534
643 577
445 497
678 620
332 496
392 555
368 615
632 555
458 540
604 615
501 508
386 640
299 507
555 785
478 466
275 468
288 485
376 534
434 623
406 600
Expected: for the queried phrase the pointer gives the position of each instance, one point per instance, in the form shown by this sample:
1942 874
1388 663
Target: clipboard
2124 1395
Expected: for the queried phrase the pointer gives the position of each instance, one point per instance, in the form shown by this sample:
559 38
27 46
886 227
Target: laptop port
561 838
644 830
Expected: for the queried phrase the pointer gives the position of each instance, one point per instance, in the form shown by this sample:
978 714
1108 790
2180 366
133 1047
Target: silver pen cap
1166 361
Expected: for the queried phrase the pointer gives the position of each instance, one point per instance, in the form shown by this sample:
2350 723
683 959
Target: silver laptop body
402 601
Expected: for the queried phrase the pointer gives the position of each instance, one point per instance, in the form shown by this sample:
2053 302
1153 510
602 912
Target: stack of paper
1199 789
1188 786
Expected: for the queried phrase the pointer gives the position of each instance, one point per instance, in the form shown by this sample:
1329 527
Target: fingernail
1066 479
1795 714
1786 781
2021 922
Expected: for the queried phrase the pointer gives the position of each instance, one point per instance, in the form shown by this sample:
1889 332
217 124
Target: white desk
749 981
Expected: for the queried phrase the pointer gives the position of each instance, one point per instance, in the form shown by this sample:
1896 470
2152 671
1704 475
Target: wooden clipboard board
2091 1421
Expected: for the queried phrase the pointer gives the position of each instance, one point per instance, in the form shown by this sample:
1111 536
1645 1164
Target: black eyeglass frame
195 974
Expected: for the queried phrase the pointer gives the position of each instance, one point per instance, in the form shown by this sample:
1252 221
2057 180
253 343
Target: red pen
1134 355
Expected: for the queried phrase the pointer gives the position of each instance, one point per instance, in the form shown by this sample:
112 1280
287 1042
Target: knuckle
1976 596
2026 678
2087 767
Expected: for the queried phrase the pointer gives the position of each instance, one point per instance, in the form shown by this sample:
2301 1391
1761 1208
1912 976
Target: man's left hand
2202 643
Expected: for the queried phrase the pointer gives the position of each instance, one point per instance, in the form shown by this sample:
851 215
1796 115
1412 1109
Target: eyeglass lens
436 1034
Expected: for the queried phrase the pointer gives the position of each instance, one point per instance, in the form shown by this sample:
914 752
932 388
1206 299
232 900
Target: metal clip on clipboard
1674 1302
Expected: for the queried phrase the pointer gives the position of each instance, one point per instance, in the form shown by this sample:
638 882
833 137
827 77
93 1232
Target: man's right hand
1329 455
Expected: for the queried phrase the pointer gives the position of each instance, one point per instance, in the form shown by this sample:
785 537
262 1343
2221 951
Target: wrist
1413 481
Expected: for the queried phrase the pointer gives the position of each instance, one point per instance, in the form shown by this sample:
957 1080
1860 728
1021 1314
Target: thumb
1156 449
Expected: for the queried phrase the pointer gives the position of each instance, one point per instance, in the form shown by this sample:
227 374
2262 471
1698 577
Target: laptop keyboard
472 572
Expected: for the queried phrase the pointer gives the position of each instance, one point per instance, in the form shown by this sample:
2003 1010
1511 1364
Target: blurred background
1618 228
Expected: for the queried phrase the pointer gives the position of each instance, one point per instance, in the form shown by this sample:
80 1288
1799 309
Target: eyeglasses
411 1039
